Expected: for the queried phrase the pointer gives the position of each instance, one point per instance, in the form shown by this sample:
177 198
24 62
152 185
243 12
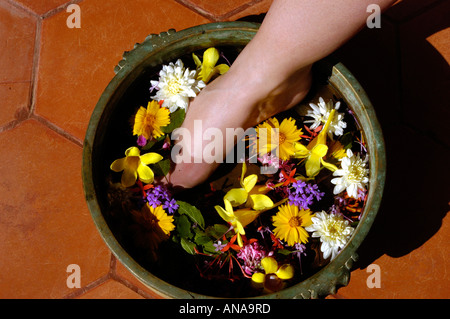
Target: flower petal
329 166
145 174
285 272
223 213
150 158
249 182
258 277
246 216
132 151
210 57
221 68
312 165
269 264
236 196
260 202
118 165
129 177
320 150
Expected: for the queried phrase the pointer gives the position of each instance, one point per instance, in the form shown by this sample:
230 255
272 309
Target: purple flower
153 200
171 206
141 140
160 195
219 246
299 185
302 194
299 251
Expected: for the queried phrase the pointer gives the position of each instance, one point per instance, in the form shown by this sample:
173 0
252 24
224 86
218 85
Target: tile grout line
22 7
238 10
125 282
57 129
60 8
81 291
216 18
35 71
95 283
197 10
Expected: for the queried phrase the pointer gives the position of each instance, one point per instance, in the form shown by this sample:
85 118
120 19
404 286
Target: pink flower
251 254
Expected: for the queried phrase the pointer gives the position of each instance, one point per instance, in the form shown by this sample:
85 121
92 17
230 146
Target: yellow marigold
148 121
289 224
165 222
272 135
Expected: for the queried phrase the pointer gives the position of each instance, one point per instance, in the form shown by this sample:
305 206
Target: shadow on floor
407 80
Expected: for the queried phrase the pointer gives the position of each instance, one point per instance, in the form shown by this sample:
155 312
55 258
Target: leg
273 72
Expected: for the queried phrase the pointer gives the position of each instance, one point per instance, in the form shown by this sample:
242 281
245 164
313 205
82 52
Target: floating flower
165 222
273 275
148 121
274 136
270 160
238 196
238 219
176 85
230 217
333 230
316 150
252 254
353 175
134 165
207 69
289 224
171 205
321 113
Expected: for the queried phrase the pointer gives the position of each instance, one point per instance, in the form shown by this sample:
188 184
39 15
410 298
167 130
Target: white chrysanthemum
352 175
320 113
176 85
333 230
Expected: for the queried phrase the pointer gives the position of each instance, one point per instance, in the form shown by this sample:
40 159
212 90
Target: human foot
234 100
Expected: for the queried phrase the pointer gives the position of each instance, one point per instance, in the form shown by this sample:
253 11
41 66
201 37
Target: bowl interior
106 138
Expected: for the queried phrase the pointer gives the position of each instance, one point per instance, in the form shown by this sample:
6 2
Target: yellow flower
337 150
257 200
271 135
134 165
208 67
148 121
230 217
272 274
165 222
315 151
289 224
238 219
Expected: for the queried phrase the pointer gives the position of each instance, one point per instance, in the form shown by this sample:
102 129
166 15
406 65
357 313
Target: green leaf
176 119
162 167
192 212
188 246
201 238
152 142
210 248
217 230
284 251
184 227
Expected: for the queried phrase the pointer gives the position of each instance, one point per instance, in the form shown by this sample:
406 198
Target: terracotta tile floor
51 78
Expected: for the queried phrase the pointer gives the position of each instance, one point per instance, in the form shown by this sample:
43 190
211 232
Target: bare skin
273 72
